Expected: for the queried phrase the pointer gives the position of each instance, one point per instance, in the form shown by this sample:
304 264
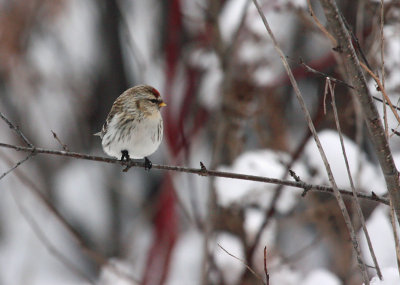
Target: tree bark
371 115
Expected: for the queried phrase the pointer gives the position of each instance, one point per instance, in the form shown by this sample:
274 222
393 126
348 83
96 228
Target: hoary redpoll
134 126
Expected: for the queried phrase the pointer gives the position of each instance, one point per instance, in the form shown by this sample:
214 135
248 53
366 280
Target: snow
265 75
230 267
299 3
321 276
209 89
371 178
381 234
281 23
250 51
260 163
253 220
117 272
284 275
187 259
230 18
252 224
390 277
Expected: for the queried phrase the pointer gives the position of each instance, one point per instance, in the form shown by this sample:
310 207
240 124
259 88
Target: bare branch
382 89
353 189
16 165
395 235
64 146
338 81
382 39
307 116
324 75
265 265
16 129
373 122
244 263
320 26
198 171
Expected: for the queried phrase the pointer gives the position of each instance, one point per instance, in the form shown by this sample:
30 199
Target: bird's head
146 99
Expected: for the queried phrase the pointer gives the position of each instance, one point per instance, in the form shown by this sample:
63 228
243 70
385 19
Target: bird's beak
162 104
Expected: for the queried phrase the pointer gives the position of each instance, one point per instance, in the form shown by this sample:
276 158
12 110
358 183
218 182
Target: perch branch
198 171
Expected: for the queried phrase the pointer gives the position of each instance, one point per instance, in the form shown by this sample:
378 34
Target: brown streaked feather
128 102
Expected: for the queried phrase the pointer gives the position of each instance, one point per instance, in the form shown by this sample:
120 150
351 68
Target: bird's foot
147 164
125 155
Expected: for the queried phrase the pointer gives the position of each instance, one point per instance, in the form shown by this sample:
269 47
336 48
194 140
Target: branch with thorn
199 171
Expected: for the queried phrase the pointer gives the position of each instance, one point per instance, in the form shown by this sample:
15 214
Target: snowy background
230 106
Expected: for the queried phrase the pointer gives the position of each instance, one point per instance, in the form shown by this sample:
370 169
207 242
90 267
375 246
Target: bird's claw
125 155
147 164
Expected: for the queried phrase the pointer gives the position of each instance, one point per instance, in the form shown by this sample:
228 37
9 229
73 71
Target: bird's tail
97 134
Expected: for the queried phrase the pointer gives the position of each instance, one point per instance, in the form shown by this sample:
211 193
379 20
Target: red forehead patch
155 92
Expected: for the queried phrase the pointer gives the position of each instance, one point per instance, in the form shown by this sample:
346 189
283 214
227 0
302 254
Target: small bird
134 126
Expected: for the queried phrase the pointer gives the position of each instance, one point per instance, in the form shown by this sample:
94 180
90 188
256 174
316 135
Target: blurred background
230 106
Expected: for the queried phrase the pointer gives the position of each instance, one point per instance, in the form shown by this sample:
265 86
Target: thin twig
16 165
324 75
326 90
382 20
396 132
64 146
297 179
355 39
265 266
383 67
198 171
244 263
338 81
382 89
353 189
17 130
334 43
395 234
320 26
386 103
306 113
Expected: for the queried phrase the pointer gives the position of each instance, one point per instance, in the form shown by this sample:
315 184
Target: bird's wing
117 107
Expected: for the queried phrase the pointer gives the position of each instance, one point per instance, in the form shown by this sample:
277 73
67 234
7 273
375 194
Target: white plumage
143 139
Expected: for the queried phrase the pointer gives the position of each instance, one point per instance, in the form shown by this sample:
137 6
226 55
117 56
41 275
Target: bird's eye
154 101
